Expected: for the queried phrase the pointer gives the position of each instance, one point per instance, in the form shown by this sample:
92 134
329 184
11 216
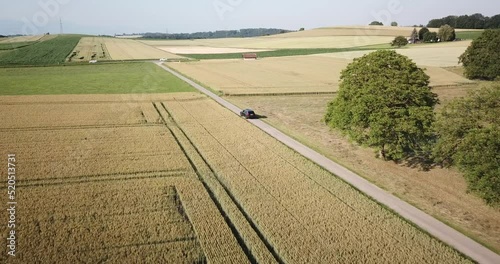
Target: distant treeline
475 21
242 33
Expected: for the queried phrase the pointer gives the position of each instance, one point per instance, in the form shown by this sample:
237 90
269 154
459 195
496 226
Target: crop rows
69 114
255 246
105 220
73 153
114 185
53 51
293 202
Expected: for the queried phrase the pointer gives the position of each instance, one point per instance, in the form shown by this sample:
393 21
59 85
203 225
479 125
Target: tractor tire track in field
424 221
252 242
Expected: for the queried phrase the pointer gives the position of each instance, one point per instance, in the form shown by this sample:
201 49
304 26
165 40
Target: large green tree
446 33
469 137
385 101
399 41
430 37
422 32
481 60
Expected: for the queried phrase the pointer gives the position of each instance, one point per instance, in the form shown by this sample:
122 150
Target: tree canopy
385 101
394 24
446 33
422 32
469 137
475 21
482 57
376 23
242 33
399 41
430 37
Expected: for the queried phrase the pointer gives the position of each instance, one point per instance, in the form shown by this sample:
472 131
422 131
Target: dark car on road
248 114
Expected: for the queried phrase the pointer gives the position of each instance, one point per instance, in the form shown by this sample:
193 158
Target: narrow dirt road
426 222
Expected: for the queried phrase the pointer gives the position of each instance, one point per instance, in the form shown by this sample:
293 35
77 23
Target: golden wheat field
284 75
205 50
294 202
334 37
22 39
114 186
278 42
129 49
358 31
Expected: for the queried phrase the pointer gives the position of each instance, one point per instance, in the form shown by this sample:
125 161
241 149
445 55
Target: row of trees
446 33
475 21
242 33
385 101
378 23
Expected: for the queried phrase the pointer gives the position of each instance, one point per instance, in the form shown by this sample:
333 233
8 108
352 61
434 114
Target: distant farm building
249 56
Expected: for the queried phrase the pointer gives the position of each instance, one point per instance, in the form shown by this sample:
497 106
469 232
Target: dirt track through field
431 225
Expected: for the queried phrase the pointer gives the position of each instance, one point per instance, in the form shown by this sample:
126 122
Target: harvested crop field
22 39
90 48
101 178
434 55
279 42
284 75
204 50
128 49
356 31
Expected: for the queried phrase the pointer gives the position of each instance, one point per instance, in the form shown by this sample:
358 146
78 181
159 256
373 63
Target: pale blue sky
126 16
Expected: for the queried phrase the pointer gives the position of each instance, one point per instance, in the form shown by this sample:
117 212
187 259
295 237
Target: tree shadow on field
423 163
260 117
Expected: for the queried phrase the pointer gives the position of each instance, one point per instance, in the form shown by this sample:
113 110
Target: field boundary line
431 225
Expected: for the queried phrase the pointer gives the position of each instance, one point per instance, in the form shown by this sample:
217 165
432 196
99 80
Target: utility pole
60 26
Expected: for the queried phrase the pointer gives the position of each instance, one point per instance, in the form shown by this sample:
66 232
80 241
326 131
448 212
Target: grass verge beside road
124 78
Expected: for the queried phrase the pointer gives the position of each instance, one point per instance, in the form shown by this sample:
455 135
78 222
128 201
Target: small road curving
436 228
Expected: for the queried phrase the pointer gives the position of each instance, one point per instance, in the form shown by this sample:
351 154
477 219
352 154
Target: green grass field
471 35
123 78
50 52
16 45
285 52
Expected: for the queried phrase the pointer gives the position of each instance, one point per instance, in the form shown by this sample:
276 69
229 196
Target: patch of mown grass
472 35
112 78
